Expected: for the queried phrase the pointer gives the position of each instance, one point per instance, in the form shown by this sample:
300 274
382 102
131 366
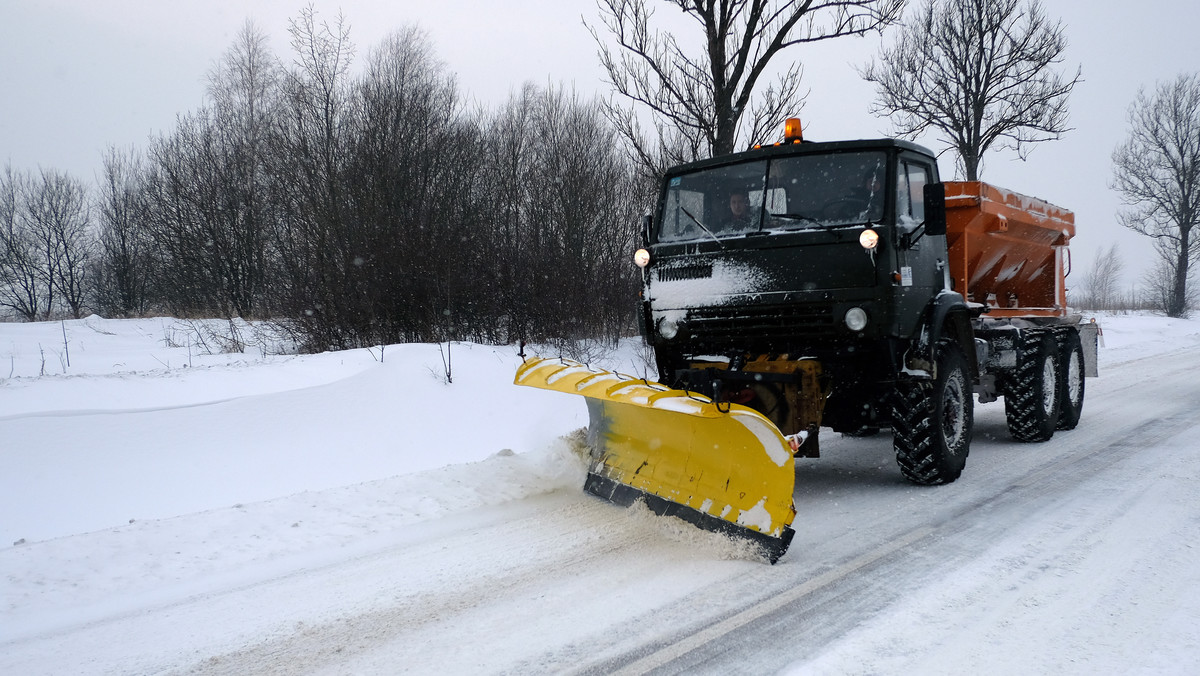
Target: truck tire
1070 352
932 421
1031 401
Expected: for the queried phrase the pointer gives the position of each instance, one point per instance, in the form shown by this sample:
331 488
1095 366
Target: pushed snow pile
705 544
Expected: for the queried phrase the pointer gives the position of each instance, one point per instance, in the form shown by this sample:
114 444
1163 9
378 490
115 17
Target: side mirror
647 221
935 208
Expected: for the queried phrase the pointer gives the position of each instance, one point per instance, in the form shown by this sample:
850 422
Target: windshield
803 191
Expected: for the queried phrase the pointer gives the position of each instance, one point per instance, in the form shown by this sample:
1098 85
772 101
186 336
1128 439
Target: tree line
379 207
355 209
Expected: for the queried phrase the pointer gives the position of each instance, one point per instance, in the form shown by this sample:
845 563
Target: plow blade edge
725 468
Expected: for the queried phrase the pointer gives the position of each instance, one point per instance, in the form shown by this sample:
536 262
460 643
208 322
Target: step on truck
827 285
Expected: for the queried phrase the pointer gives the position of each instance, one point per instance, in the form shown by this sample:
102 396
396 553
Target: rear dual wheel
1070 351
1032 399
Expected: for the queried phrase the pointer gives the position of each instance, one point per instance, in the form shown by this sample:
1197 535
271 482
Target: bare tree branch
708 103
981 73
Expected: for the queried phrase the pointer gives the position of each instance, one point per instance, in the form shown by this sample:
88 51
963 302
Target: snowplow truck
838 285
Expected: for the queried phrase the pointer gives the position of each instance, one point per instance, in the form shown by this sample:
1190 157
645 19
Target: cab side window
910 191
903 198
918 176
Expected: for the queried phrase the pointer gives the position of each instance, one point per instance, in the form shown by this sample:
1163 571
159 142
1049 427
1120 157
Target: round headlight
869 239
641 257
668 328
856 319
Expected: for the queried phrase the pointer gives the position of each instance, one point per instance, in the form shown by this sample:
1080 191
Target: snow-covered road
1079 555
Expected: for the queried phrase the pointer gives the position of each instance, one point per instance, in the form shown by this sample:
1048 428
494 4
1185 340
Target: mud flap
725 469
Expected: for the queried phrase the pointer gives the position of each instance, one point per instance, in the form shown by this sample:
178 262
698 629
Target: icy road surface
336 514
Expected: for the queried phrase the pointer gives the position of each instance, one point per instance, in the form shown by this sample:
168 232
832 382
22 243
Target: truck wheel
932 421
1031 398
1070 352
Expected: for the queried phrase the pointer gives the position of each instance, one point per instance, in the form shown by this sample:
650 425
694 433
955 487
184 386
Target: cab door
922 258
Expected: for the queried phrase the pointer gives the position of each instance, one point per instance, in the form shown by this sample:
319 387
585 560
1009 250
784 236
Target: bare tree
1101 284
561 202
1157 172
307 161
57 210
21 278
207 190
406 252
508 153
181 200
982 73
124 262
1158 284
315 91
243 88
706 101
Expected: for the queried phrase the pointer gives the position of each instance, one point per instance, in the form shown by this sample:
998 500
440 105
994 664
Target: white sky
79 75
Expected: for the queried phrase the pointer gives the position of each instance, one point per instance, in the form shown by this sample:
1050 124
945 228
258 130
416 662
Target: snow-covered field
164 510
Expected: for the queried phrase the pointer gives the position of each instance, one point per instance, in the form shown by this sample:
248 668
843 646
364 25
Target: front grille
792 323
682 272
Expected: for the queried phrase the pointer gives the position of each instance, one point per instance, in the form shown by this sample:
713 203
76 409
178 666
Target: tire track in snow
459 585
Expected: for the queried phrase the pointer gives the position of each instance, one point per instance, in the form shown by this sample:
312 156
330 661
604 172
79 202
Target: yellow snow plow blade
724 468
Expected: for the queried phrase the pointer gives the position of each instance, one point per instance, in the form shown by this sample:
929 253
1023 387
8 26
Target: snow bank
135 428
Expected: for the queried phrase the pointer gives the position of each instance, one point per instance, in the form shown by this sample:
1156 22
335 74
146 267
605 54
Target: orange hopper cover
1007 249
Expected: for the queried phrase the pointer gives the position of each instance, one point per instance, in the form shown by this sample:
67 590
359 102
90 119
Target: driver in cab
739 212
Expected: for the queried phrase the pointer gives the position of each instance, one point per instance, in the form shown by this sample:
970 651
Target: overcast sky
77 76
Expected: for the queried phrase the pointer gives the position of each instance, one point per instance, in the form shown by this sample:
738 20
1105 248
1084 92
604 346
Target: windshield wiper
702 226
803 218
